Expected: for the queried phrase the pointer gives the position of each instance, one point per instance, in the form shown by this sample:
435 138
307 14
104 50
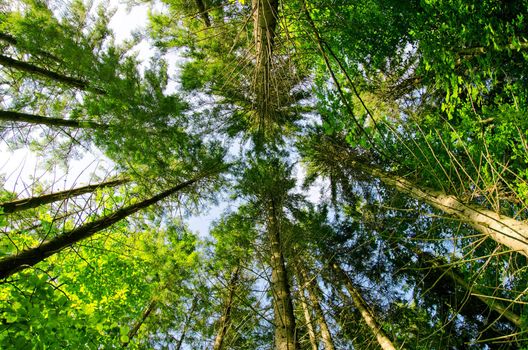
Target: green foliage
432 91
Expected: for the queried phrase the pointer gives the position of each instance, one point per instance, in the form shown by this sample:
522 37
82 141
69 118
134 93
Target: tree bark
225 320
285 333
203 12
366 314
502 229
8 39
64 79
133 331
313 292
18 117
32 256
308 317
492 304
265 14
34 202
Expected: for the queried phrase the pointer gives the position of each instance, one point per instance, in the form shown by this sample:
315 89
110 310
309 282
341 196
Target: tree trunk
225 320
186 324
133 331
313 292
361 305
203 12
7 38
32 69
265 14
502 229
32 256
285 333
34 202
492 304
307 317
18 117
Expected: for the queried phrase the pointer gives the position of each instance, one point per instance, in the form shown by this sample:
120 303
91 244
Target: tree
405 121
267 183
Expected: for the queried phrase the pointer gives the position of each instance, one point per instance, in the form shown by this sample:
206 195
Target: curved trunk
32 69
18 117
369 318
32 256
34 202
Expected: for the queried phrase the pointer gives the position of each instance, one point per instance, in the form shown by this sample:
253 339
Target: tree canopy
369 159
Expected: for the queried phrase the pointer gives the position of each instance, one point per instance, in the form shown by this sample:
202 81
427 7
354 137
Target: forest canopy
369 159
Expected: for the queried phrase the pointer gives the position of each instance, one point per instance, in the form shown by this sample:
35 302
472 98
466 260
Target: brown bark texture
32 256
34 202
18 117
285 332
36 70
367 315
225 320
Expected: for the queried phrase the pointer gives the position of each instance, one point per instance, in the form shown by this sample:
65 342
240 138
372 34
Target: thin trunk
7 38
203 12
32 69
361 305
285 333
18 117
308 317
32 256
313 292
502 229
225 320
34 202
186 324
492 304
133 331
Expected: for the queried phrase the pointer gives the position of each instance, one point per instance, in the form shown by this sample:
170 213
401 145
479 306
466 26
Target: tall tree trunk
18 117
225 320
265 14
135 328
33 202
285 333
308 317
313 292
366 314
502 229
448 271
32 256
64 79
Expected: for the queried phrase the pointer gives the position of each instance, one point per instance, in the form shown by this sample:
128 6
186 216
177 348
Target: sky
20 167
